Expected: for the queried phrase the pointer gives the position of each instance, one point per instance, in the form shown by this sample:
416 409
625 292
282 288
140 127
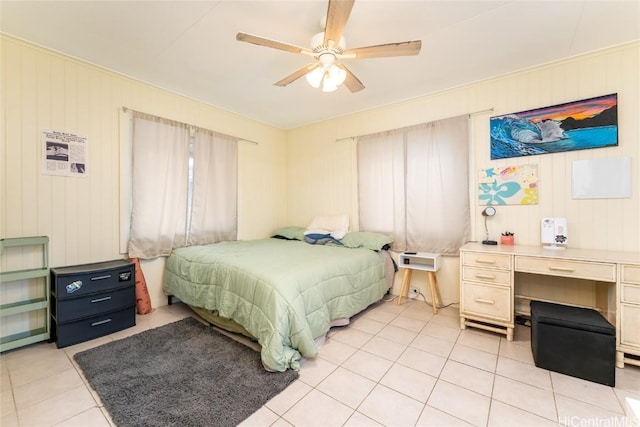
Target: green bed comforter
284 292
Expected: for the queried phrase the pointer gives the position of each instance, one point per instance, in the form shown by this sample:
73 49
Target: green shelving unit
40 302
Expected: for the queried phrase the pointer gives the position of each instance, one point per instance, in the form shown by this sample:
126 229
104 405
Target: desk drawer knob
485 301
101 277
565 269
485 276
485 261
100 300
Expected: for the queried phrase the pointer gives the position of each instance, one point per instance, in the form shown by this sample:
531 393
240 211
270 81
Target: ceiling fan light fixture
327 77
315 77
327 85
337 75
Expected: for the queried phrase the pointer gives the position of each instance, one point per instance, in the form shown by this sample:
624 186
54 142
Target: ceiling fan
327 47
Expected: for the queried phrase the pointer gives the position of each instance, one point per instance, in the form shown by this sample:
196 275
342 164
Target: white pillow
335 225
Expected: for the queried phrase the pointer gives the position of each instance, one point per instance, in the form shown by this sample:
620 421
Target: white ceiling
189 47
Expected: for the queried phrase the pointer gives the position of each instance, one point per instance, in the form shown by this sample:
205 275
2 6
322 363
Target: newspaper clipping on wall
64 154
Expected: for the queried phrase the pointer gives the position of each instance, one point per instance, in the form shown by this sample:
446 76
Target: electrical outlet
413 292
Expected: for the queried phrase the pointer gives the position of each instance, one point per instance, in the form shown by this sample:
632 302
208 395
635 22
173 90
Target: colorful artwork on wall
511 185
590 123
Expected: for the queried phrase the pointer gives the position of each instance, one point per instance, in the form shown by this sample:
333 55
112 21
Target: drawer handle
485 276
102 322
485 301
101 277
485 261
565 269
100 299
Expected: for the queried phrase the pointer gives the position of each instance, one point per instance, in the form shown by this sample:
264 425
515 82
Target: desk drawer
554 267
486 275
501 261
631 274
630 294
630 317
493 302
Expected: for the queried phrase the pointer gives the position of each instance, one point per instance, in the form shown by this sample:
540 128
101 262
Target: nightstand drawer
577 269
475 259
630 293
630 274
486 275
94 327
92 305
72 282
493 302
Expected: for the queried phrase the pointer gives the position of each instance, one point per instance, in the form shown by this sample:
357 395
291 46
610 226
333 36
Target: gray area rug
181 374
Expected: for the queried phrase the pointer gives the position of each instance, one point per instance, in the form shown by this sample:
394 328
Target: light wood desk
489 276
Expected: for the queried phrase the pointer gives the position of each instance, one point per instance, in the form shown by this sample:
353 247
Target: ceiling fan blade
351 81
385 50
297 74
261 41
337 16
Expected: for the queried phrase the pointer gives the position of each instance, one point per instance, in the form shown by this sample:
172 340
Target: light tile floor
392 366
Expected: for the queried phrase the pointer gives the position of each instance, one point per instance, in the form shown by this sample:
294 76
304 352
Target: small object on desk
507 238
487 212
554 233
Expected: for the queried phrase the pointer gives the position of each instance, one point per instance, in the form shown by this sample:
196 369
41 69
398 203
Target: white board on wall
607 178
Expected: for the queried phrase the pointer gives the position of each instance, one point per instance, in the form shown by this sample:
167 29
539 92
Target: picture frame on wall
509 185
577 125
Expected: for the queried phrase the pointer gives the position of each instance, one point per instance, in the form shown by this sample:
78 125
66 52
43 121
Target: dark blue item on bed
574 341
321 239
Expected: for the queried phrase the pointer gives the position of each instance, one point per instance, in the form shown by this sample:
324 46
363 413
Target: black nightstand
92 300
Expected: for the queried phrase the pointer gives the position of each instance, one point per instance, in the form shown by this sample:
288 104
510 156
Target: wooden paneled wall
600 224
45 90
290 176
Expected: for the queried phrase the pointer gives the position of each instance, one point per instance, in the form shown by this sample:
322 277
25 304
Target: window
184 187
413 184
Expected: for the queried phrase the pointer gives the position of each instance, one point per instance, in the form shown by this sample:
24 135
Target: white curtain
414 185
170 207
381 184
159 180
215 187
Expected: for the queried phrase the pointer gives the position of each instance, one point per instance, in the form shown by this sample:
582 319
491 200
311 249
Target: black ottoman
574 341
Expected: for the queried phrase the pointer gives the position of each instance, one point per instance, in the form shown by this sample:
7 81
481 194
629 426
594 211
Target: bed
285 291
